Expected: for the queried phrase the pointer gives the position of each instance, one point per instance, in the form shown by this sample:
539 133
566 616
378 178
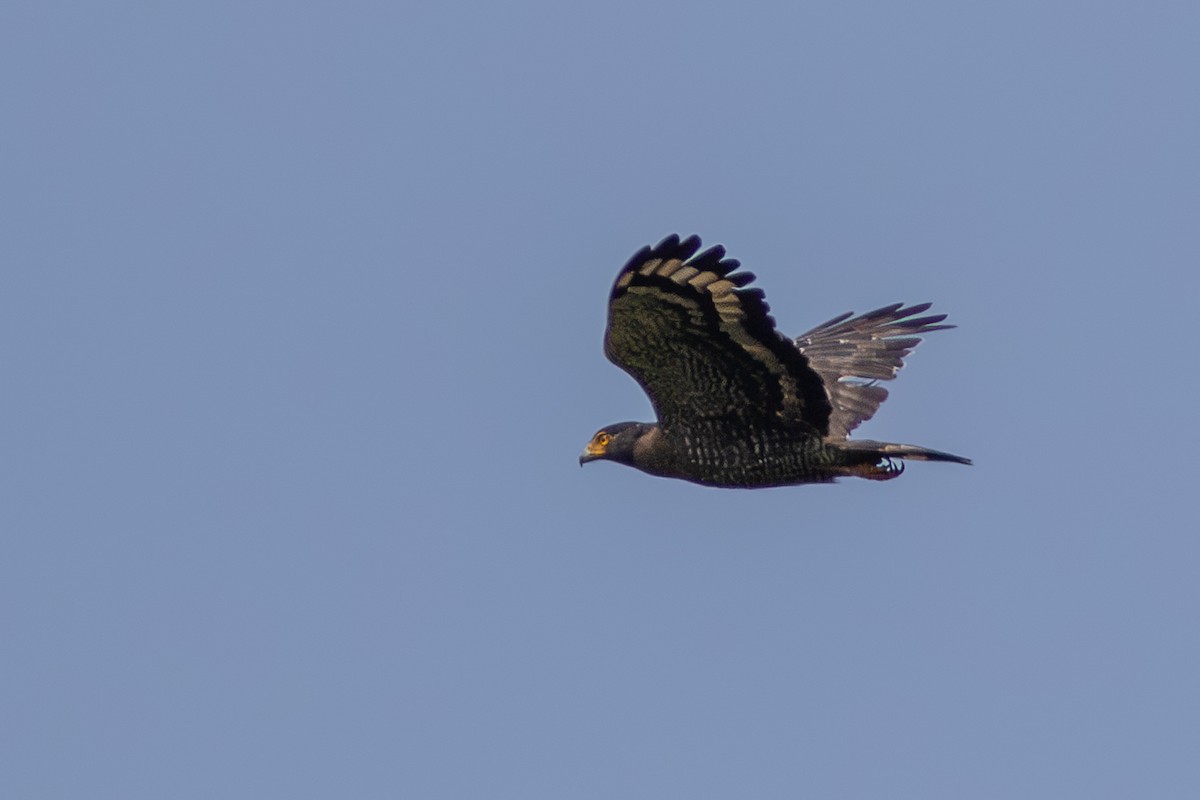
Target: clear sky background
301 331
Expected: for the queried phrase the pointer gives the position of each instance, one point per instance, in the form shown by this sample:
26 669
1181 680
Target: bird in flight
738 403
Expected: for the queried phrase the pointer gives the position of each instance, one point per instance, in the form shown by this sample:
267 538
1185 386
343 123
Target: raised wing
852 353
704 347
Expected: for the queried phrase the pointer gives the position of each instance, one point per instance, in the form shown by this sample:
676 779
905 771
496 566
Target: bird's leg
883 470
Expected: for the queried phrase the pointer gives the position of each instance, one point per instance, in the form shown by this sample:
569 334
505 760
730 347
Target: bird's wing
852 353
703 346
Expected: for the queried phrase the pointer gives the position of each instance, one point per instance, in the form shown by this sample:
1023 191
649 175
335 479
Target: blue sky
301 338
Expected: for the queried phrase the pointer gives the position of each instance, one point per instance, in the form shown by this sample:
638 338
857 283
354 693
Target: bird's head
614 443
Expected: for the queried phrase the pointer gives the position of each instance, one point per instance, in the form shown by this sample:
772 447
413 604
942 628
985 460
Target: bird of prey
738 403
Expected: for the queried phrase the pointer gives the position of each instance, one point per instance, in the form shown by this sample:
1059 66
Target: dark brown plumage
739 404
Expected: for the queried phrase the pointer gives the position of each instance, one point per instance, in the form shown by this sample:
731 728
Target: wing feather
850 353
702 346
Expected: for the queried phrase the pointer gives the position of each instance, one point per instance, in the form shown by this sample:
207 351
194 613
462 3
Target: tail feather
911 451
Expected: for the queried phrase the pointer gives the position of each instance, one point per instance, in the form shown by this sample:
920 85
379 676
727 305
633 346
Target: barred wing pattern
704 347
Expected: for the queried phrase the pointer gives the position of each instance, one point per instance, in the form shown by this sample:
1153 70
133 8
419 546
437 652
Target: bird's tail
884 460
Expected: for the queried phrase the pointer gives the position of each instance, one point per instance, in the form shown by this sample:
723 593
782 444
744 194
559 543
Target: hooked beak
591 453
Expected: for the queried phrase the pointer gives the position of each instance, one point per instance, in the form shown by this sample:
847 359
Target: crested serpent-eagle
738 403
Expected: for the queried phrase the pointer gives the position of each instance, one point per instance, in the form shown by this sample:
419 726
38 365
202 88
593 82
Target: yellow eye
601 439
